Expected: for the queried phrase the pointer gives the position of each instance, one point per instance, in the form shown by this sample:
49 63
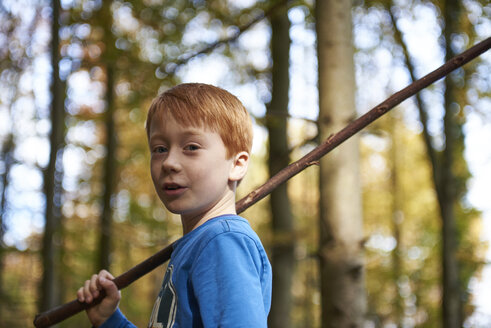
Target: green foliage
406 231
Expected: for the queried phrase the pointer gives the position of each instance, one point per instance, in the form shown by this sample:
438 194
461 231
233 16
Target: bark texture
452 298
442 167
341 234
105 242
110 162
282 249
7 160
397 219
53 175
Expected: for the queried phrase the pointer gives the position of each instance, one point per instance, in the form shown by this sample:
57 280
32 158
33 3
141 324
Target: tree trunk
397 218
109 174
422 110
50 285
452 304
341 227
442 168
7 154
111 143
282 249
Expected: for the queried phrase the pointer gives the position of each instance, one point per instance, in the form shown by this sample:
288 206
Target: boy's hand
101 312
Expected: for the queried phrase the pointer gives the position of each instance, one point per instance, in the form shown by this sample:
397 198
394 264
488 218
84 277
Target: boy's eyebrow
192 132
186 133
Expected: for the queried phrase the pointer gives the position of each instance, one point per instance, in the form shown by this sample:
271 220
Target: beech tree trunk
7 159
105 242
53 175
110 163
282 249
442 168
397 219
341 227
452 298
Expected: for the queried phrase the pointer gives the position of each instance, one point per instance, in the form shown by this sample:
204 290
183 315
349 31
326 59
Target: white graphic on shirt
164 309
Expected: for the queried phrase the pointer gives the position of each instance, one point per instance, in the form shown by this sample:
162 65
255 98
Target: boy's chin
173 210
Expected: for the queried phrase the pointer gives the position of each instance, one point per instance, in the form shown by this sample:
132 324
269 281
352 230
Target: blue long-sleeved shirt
219 276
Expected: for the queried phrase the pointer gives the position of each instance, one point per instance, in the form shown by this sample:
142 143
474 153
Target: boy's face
190 171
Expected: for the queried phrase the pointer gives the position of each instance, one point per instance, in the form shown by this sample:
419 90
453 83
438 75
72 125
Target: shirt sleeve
117 320
227 282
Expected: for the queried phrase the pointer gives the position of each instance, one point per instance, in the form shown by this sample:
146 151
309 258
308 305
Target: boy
200 138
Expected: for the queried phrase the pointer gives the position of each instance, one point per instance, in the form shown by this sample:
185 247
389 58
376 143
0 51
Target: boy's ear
239 168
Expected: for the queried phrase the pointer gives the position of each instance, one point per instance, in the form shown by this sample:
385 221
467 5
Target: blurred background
390 230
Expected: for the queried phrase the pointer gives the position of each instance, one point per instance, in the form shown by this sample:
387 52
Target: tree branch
170 68
420 105
335 140
65 311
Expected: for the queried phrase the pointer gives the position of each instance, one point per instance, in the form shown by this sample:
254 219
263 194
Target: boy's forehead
167 115
161 122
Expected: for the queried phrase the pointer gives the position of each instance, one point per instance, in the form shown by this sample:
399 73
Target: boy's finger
106 274
110 288
93 285
80 294
103 274
93 282
86 291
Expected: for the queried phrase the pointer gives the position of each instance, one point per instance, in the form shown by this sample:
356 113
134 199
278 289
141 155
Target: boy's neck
225 206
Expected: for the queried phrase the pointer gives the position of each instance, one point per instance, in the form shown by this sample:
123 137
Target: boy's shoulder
227 223
217 226
222 227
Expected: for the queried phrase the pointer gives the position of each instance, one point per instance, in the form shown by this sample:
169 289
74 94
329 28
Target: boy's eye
191 147
160 149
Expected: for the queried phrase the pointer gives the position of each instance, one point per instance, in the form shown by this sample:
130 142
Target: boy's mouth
173 188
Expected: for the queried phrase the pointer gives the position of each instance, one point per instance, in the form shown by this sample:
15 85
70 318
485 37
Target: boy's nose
171 162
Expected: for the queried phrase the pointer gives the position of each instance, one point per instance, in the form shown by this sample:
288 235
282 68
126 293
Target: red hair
206 106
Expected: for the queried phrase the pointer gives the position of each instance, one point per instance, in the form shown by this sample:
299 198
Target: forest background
76 79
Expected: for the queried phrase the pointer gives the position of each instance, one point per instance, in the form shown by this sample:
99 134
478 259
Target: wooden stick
335 140
67 310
